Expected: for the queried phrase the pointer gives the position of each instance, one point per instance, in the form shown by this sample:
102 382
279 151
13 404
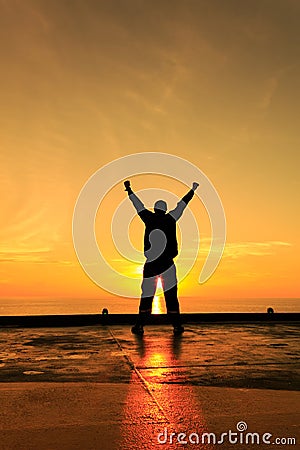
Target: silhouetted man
160 248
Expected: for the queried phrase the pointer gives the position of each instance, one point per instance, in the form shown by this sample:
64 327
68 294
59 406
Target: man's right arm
137 203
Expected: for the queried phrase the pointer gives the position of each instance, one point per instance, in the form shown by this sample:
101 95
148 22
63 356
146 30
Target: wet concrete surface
261 356
102 388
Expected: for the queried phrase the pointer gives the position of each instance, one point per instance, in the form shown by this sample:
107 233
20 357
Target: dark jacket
160 238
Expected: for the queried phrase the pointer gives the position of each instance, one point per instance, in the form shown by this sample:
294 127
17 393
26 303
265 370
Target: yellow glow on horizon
159 283
139 270
156 305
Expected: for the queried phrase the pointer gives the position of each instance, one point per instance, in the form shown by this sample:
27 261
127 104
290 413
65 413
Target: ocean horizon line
54 306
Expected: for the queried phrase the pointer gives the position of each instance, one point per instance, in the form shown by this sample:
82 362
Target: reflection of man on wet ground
160 247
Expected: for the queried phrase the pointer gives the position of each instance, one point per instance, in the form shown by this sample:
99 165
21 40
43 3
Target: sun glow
161 356
159 284
157 305
139 270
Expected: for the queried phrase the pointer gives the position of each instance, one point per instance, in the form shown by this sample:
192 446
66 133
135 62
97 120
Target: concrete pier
78 320
100 387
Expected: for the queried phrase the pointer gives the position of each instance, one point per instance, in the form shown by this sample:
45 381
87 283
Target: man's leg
145 308
170 291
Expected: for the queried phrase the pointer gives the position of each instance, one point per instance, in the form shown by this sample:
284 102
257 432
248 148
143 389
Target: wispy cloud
269 91
232 250
236 250
271 86
43 255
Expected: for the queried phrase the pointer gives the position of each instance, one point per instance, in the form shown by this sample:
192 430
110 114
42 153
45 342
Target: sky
215 82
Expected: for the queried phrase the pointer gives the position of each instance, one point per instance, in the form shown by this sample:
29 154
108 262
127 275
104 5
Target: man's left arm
182 204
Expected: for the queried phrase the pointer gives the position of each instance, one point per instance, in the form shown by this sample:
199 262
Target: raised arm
139 206
181 205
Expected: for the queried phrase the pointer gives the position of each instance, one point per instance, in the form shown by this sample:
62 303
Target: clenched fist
127 185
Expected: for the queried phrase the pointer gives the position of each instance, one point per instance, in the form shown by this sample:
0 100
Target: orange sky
215 82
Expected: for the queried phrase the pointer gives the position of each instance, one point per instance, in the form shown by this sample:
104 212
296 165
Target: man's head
160 207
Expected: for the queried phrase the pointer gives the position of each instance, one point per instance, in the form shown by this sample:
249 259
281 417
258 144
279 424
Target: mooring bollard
104 316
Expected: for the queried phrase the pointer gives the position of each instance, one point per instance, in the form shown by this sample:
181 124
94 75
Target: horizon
189 305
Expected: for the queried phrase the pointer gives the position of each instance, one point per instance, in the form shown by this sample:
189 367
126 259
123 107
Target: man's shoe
178 330
137 329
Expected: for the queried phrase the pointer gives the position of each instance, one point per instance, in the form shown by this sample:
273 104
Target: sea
18 307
